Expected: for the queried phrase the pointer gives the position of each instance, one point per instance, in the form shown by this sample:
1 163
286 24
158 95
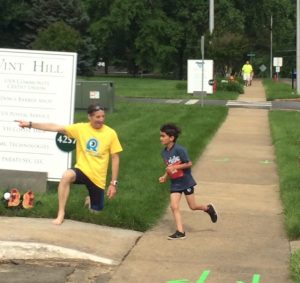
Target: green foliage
13 18
58 37
227 85
159 36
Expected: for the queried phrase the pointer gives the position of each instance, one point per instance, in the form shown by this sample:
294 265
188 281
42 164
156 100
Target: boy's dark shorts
188 191
96 193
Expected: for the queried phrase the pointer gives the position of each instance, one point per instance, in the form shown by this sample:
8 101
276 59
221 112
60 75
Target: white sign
195 69
94 94
277 61
277 69
35 86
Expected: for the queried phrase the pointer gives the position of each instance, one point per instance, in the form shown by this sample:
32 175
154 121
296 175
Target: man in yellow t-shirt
95 143
247 71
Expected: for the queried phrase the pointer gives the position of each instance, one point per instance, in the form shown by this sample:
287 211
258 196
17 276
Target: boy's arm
163 178
171 168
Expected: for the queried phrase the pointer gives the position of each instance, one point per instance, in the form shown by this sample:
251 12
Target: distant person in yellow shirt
247 72
95 143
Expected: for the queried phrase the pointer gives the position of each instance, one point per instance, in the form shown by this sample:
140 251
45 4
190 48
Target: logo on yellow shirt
92 145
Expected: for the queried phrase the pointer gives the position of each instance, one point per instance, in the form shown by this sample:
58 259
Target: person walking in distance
95 144
247 72
178 170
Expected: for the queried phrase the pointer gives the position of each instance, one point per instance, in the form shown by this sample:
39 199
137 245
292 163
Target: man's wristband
30 125
114 183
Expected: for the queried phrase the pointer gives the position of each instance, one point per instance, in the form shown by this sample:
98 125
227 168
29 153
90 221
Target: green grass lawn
278 90
286 135
156 88
140 200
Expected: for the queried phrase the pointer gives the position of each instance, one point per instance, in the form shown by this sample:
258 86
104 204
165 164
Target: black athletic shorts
96 193
188 191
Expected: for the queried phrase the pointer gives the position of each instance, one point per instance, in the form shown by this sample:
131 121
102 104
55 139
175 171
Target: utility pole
271 47
211 16
298 47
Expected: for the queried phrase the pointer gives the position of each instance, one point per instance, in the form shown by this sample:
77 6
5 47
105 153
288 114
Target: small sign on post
277 63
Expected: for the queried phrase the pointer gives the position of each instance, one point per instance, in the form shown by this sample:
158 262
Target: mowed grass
156 88
286 135
278 90
140 200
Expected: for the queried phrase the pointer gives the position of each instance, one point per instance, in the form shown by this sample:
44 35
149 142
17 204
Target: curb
27 250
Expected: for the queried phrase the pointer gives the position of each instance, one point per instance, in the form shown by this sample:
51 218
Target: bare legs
63 193
175 201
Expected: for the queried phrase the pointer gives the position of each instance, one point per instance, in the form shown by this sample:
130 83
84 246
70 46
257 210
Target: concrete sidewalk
237 172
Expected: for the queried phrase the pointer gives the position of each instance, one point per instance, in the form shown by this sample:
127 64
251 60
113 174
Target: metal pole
211 16
298 47
202 84
271 47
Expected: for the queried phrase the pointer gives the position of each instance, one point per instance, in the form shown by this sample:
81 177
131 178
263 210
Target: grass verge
157 88
285 133
278 90
141 200
295 266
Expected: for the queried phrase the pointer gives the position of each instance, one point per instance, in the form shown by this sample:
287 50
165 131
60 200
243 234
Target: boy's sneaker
177 236
212 213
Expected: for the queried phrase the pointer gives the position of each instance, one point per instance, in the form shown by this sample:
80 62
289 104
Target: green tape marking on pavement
225 159
255 279
203 276
179 281
266 161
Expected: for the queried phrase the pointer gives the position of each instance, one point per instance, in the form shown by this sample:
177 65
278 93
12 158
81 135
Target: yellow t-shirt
247 69
93 148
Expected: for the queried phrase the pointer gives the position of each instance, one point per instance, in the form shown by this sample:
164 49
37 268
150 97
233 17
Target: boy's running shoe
212 213
177 236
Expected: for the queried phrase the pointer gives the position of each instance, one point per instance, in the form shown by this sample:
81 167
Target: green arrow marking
255 279
179 281
203 276
225 159
266 161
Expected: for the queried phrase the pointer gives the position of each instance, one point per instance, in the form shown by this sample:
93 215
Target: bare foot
59 220
87 202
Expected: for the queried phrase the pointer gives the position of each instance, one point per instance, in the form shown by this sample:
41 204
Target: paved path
237 173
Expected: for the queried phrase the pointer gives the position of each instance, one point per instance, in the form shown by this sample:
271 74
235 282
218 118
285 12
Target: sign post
277 63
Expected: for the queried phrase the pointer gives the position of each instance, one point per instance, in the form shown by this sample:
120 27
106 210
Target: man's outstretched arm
42 126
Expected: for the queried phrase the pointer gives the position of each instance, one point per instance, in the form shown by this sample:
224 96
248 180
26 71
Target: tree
228 43
58 36
13 16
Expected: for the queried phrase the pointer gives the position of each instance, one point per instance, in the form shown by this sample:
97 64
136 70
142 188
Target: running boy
178 170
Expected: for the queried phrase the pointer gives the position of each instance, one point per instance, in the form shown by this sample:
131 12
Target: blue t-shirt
178 155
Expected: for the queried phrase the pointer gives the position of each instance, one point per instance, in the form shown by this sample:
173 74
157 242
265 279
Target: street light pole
211 16
271 47
298 47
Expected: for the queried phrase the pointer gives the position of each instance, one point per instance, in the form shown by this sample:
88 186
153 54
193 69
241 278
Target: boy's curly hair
171 130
